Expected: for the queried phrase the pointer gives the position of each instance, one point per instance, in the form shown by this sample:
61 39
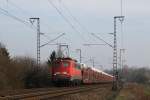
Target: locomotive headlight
57 73
61 73
54 74
65 73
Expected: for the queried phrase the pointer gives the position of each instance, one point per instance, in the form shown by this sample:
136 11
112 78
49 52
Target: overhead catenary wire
122 35
22 10
122 51
19 8
7 3
65 19
47 36
121 5
102 40
66 8
60 13
52 40
27 13
6 13
26 23
74 18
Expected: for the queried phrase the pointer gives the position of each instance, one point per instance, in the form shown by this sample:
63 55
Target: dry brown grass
130 91
133 92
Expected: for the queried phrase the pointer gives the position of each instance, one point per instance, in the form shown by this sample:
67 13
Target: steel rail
51 93
68 92
24 91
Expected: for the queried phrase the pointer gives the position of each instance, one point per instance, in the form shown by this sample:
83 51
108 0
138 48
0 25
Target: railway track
43 94
24 91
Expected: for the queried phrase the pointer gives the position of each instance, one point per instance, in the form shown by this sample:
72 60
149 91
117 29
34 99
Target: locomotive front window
65 64
57 64
77 66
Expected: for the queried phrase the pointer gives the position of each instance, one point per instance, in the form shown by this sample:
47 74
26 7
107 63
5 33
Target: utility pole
32 20
80 55
115 70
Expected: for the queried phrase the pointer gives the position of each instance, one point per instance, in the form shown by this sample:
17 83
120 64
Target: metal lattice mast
38 39
115 70
38 42
115 56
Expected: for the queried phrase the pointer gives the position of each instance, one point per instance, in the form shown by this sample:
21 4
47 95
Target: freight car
66 71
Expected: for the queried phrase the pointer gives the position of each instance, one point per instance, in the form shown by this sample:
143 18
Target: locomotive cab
66 70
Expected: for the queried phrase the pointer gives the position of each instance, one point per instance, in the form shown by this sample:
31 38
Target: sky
94 16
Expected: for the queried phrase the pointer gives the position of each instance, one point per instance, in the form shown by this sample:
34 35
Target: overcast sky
95 15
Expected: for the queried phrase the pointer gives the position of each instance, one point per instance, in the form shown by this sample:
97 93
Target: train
67 71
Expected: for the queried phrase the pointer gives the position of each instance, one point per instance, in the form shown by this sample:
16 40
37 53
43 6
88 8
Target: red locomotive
66 71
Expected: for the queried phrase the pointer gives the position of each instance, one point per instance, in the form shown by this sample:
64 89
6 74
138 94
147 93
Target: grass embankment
147 91
134 92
